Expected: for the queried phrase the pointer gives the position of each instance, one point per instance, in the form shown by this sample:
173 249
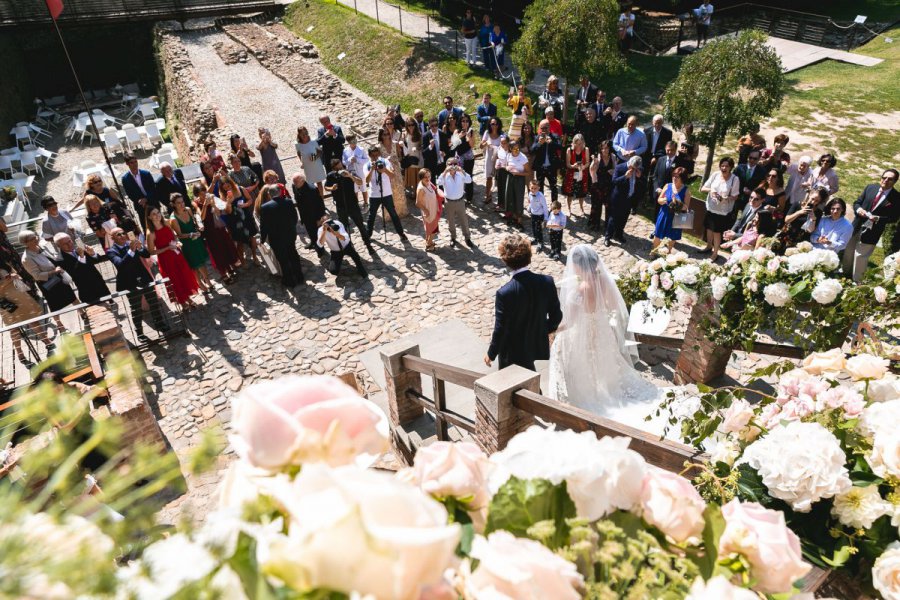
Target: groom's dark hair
515 251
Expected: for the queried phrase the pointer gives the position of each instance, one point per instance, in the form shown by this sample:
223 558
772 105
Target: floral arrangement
824 450
801 296
670 278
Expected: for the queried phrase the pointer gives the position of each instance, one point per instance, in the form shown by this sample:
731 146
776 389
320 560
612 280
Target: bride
593 355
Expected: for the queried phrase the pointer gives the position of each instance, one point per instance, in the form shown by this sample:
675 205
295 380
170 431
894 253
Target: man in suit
599 104
627 187
876 207
756 201
278 227
331 140
310 206
80 263
585 95
526 310
435 148
170 181
132 275
140 188
449 109
662 172
342 185
657 138
419 118
589 127
485 111
546 159
615 119
751 175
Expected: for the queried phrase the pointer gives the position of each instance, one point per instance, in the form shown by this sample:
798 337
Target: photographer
381 194
333 235
342 185
545 160
453 180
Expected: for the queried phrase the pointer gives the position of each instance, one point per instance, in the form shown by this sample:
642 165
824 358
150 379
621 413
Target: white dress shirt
454 185
380 184
537 205
557 220
331 240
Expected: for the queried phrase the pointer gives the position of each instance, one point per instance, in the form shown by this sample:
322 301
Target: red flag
55 7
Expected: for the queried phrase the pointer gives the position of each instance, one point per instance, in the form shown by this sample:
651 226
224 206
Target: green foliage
571 38
521 503
726 88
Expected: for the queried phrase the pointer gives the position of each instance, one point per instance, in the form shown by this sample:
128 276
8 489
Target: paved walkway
796 55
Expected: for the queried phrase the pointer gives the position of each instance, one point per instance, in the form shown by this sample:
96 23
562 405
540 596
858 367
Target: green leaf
714 525
751 487
839 558
520 503
243 562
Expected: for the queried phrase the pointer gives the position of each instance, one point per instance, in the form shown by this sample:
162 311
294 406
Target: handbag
269 258
683 220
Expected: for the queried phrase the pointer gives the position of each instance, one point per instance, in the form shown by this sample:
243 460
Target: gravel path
250 96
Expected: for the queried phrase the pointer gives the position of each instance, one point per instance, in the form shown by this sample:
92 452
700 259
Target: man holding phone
131 274
454 181
331 140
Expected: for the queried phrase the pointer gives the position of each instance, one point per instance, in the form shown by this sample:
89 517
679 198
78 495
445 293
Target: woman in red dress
576 180
162 241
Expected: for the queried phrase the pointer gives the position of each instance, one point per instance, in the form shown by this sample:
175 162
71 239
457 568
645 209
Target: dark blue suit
442 116
278 227
132 275
484 116
165 188
134 193
526 311
621 200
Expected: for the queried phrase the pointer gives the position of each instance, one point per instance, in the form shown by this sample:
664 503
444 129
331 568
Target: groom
526 310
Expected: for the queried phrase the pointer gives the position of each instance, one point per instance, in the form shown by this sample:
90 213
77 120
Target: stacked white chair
132 137
111 139
30 163
6 166
153 134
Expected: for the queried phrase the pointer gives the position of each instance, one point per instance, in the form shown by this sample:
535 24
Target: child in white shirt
556 223
537 208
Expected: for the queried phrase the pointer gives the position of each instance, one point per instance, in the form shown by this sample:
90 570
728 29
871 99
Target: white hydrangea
805 247
773 265
801 262
860 507
656 296
777 294
880 416
657 265
740 256
827 259
827 290
880 294
685 298
719 287
800 463
686 274
762 254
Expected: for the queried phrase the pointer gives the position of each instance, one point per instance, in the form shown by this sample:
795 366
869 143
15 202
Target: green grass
880 11
386 65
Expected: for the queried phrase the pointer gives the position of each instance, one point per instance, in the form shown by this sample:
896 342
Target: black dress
117 208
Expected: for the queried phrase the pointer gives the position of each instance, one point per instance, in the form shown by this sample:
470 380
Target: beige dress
430 200
411 148
397 188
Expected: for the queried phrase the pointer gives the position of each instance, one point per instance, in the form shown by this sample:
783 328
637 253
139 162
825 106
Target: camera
332 224
379 164
8 305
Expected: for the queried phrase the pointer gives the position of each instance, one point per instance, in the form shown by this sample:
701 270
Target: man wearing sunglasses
132 275
876 207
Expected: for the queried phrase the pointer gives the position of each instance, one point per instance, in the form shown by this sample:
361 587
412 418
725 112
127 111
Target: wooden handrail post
398 379
496 419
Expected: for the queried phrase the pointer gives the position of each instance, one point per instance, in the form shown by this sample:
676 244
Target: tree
726 88
571 38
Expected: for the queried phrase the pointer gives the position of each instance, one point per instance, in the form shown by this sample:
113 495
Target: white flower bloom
601 475
880 294
685 298
867 366
753 285
171 564
827 290
686 274
818 275
827 259
880 416
681 255
762 254
718 588
886 572
860 507
719 287
656 296
665 280
777 294
670 503
800 263
657 265
791 251
773 265
880 390
805 247
890 266
800 463
726 451
885 456
740 256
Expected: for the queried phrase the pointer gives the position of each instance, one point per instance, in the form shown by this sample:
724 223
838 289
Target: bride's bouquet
823 449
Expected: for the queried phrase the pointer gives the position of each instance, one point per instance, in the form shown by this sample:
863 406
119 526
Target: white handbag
683 220
269 258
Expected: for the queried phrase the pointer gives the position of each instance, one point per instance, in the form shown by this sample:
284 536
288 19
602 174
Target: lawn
386 65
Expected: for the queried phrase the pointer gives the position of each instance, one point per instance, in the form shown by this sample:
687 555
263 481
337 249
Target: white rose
819 363
168 566
762 254
244 483
827 290
353 530
867 366
718 588
512 568
657 265
886 572
860 507
753 285
665 280
885 456
881 416
800 463
777 294
880 390
725 451
791 251
670 503
880 294
601 475
672 260
719 287
686 274
773 265
739 257
736 419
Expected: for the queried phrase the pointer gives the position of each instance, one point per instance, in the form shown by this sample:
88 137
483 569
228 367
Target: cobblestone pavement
255 329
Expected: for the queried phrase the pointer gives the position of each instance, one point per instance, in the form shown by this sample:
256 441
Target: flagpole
87 106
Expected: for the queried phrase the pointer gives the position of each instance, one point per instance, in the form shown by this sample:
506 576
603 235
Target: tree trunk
709 160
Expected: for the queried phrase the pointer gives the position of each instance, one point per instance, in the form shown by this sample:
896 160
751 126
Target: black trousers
556 236
537 228
468 166
550 175
388 203
616 218
137 310
337 259
349 212
312 228
289 261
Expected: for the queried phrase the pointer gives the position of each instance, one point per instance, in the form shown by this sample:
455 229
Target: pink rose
770 415
671 504
452 469
761 536
298 419
736 419
847 399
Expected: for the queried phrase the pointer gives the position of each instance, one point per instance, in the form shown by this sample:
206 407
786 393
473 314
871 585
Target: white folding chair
153 134
38 132
6 166
26 189
12 155
22 133
132 137
112 141
147 112
30 163
90 132
161 157
49 158
192 172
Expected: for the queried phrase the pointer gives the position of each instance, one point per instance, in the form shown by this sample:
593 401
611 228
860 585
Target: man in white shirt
799 182
454 181
381 195
834 231
357 162
703 15
334 236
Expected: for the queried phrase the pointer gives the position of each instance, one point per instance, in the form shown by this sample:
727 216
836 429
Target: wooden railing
506 402
18 12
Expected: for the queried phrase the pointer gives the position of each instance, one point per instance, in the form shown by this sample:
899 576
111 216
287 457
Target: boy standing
537 208
556 223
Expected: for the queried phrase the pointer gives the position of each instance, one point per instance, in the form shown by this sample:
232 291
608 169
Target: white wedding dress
593 355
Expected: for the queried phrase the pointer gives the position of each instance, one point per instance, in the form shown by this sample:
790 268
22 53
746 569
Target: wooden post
701 360
496 419
398 379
